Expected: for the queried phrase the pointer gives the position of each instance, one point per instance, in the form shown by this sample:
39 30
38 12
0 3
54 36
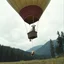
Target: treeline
8 54
59 49
60 41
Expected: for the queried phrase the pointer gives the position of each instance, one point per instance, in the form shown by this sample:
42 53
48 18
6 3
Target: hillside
43 49
34 48
8 54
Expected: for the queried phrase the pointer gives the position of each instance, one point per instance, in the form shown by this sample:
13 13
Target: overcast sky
13 31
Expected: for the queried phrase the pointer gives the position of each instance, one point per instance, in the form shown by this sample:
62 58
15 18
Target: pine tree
60 44
60 41
52 49
62 36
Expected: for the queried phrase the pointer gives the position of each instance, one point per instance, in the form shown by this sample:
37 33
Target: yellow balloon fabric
29 10
19 4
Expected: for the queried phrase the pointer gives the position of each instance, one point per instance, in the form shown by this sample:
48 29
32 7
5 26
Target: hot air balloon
30 11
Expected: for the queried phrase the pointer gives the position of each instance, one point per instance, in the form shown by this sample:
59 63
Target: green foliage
60 41
12 54
52 49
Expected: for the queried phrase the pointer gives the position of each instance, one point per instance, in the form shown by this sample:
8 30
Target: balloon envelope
29 10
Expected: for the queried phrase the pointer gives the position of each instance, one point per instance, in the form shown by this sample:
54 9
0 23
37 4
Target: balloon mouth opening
31 13
31 19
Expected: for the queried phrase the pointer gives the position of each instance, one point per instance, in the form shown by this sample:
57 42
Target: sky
13 30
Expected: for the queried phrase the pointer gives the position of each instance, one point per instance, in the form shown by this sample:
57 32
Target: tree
52 49
62 36
60 41
8 54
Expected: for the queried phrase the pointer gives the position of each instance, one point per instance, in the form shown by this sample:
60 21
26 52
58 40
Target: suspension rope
37 26
33 19
26 27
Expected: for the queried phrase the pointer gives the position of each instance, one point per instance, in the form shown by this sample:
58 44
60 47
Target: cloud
4 42
13 31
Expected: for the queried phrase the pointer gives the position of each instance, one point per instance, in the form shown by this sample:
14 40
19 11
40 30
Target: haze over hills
34 48
43 49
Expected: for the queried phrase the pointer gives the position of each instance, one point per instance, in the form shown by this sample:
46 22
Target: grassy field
47 61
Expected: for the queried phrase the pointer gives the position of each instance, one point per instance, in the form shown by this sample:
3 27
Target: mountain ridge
44 49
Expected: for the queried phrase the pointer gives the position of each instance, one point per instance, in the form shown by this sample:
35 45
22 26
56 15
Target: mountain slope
8 54
45 49
34 48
